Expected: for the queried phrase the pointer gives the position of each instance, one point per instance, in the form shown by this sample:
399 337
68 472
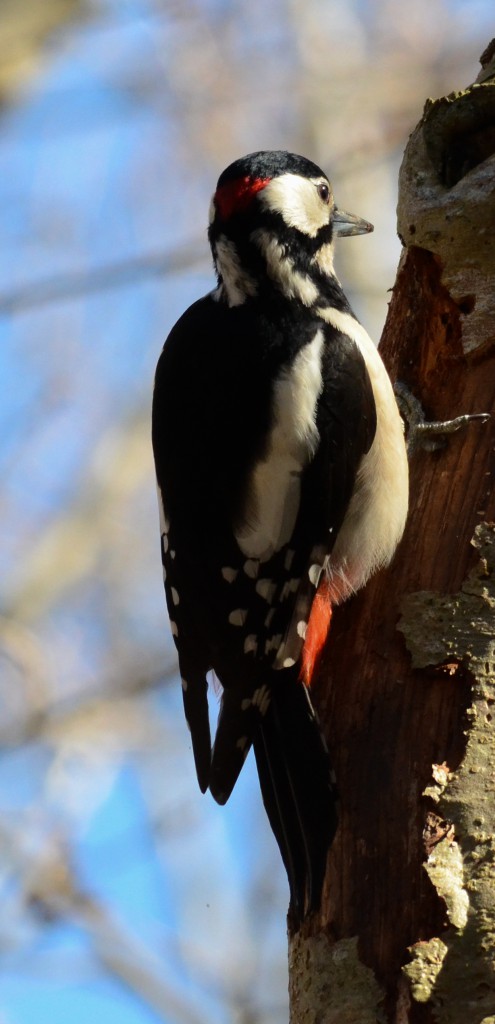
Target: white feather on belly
377 512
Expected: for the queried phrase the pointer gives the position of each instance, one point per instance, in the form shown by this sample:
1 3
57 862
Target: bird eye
323 192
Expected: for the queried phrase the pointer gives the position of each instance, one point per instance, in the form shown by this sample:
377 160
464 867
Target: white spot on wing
185 684
261 699
289 558
273 643
266 589
288 663
238 617
229 574
174 628
290 587
175 596
251 644
251 567
314 573
302 628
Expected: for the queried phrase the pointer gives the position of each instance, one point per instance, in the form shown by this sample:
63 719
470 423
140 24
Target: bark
407 682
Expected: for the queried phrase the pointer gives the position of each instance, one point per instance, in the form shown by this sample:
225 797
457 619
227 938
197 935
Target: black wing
211 423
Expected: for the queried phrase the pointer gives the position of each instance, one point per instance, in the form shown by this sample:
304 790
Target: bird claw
428 434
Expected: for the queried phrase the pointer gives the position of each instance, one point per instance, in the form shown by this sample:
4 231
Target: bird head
273 221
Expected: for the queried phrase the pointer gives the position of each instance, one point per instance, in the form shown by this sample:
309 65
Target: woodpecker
283 485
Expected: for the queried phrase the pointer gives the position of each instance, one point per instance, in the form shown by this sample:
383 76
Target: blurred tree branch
24 30
120 274
53 891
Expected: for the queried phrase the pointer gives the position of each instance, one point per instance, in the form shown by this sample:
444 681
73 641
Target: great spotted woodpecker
283 484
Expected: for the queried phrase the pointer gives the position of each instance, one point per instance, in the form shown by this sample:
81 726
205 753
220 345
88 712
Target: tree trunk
407 683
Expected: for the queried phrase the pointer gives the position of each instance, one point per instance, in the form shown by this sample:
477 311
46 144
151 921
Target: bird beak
348 224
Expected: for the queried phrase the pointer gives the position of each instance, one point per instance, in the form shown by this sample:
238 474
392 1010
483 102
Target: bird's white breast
376 516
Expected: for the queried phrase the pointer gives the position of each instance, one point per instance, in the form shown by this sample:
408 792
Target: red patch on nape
316 632
235 196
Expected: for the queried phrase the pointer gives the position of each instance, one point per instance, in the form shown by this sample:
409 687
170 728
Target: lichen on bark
458 975
330 985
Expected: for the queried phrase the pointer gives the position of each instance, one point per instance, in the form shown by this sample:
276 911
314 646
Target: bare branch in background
52 891
122 274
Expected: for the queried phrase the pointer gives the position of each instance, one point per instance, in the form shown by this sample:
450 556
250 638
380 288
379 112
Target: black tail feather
277 796
294 772
298 793
236 723
194 693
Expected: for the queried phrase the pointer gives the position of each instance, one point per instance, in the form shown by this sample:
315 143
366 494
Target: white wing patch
274 488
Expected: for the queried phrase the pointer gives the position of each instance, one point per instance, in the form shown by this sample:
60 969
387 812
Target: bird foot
428 434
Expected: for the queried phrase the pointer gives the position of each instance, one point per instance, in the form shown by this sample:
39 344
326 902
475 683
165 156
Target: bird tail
298 791
294 772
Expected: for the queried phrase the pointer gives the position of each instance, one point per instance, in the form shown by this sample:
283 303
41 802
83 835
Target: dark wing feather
229 613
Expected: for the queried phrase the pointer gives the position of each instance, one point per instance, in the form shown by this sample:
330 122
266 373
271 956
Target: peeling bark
411 875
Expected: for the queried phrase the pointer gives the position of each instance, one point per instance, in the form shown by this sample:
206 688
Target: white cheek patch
296 199
275 484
